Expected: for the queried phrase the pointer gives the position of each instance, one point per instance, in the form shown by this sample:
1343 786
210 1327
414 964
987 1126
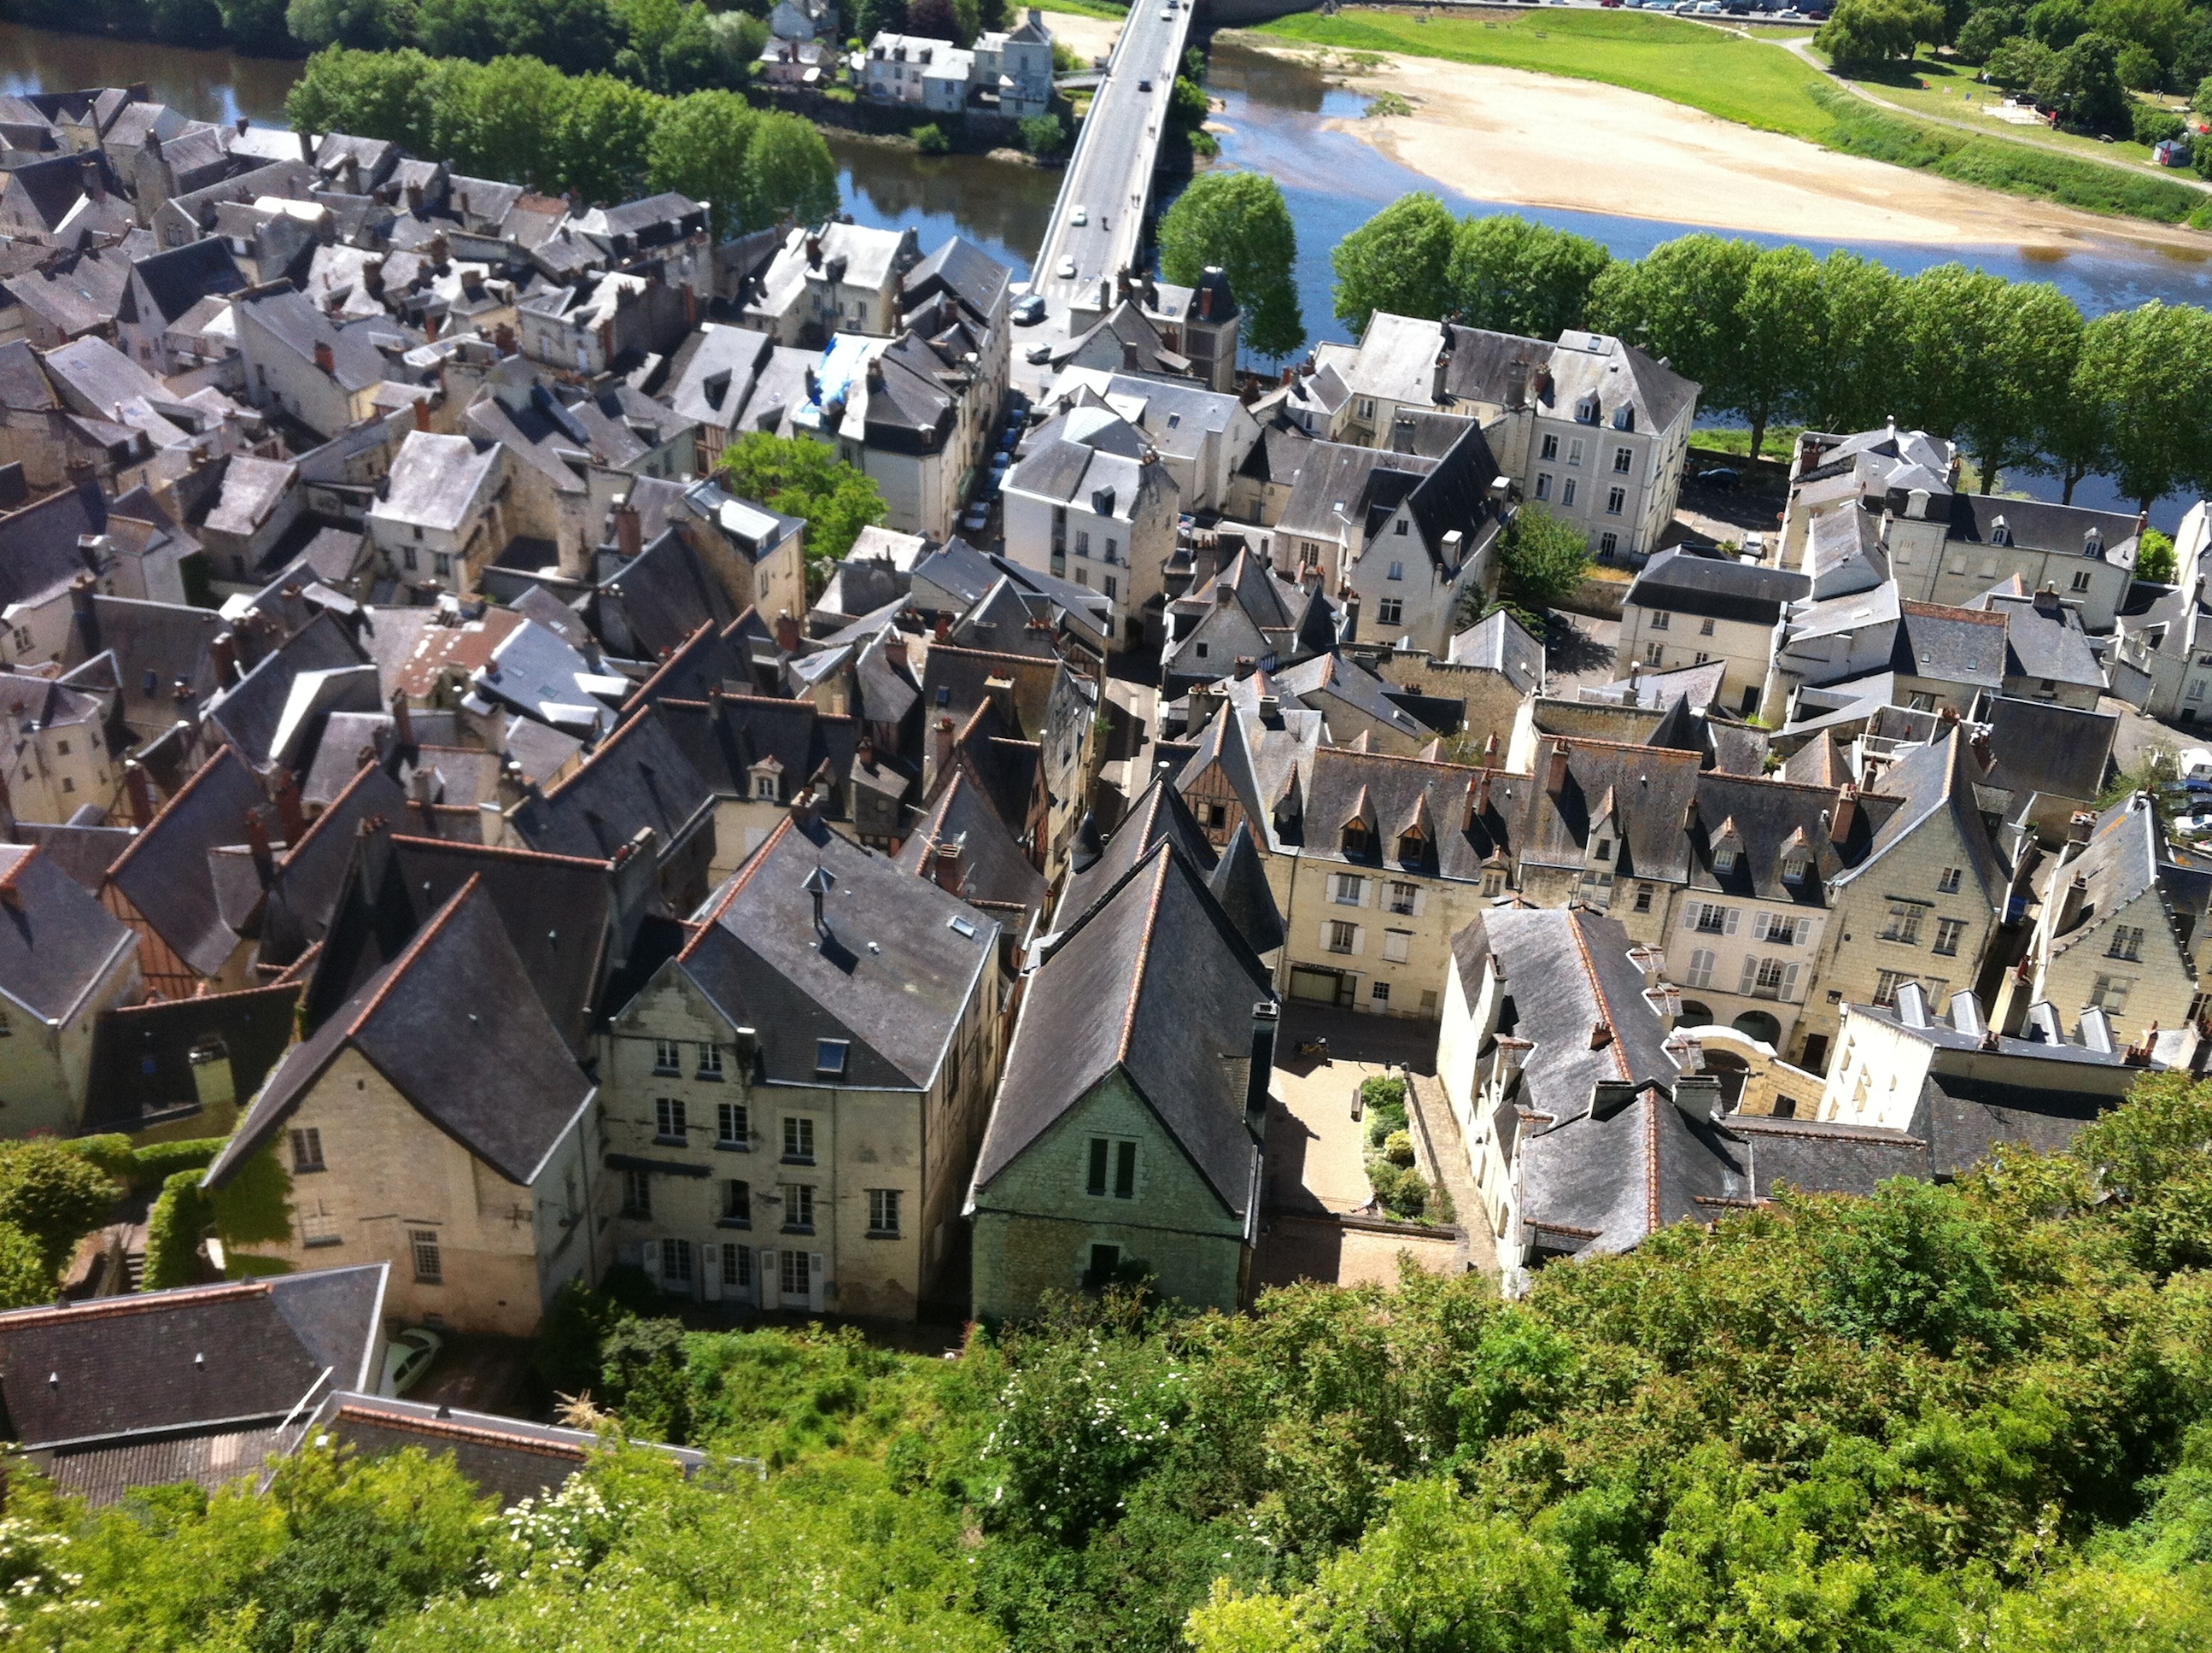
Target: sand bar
1538 140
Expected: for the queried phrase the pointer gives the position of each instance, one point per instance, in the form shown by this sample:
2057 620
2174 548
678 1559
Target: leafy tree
1684 301
2154 557
1865 34
1238 221
2059 23
788 172
1187 102
2148 369
1398 262
368 24
2020 63
26 1282
1780 318
1987 356
2155 125
54 1195
394 96
876 17
1044 134
1852 379
1514 277
2083 82
255 26
604 137
699 147
739 39
805 479
930 139
933 20
1541 560
1987 29
2139 69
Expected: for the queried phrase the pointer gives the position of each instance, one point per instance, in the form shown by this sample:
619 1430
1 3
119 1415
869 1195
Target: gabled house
1089 501
1686 610
171 885
1126 1140
437 1123
64 961
795 1099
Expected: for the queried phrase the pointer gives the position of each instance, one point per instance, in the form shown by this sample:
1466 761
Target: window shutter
1690 911
1734 913
652 1260
1759 927
1790 983
815 1289
770 1279
1750 974
710 1272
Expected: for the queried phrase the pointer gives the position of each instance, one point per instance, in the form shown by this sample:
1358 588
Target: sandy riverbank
1086 37
1537 140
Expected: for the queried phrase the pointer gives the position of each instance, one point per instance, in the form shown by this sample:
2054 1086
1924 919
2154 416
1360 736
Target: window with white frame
1948 931
795 1274
1397 946
1904 924
1725 858
1615 498
1551 449
317 1228
1575 450
2110 994
1659 620
423 1250
1886 984
668 1121
1341 938
2127 942
1654 653
710 1061
1947 883
738 1265
1405 898
1705 627
1608 543
732 1125
676 1262
1397 571
1543 485
2081 579
1349 889
1642 897
1379 992
667 1057
1390 611
1778 930
1709 919
307 1150
884 1213
1567 493
798 1140
636 1193
1623 460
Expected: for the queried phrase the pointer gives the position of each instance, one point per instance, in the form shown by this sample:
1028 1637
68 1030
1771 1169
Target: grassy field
1722 74
1936 87
1758 84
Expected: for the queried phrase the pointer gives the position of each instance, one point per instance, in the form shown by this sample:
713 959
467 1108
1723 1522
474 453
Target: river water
1274 113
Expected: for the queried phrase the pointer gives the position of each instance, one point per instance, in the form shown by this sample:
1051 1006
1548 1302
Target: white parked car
1067 271
1038 353
1080 216
408 1356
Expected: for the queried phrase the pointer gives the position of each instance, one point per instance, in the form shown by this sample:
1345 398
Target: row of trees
1239 222
2082 56
1973 1416
2010 370
522 121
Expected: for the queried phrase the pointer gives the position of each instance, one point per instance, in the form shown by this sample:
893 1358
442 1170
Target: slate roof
141 1055
638 777
1964 1120
57 942
1764 818
1951 645
2120 862
558 911
2046 644
1158 814
1156 983
454 1025
960 269
2039 524
992 871
177 280
1504 645
1716 587
1823 1156
166 874
889 971
251 1349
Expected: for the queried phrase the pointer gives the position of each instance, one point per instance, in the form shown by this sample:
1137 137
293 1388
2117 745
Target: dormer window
1794 869
1604 851
1624 418
1724 859
1586 411
1355 839
1412 845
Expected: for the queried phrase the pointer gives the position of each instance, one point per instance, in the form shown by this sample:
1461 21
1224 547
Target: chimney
629 534
786 633
945 739
402 721
1699 1096
85 611
94 178
224 651
1847 814
895 650
1440 370
242 124
2070 904
257 841
944 866
819 883
306 147
1130 356
1555 769
502 339
1266 1016
326 361
942 631
2080 825
1001 691
814 250
289 815
141 790
2046 600
422 413
186 701
1600 1035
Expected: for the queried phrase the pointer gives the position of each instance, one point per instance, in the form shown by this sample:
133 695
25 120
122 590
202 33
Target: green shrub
1383 1091
1043 135
173 1229
931 139
254 1207
2155 125
54 1194
1402 1193
2155 559
157 1162
25 1280
1398 1148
